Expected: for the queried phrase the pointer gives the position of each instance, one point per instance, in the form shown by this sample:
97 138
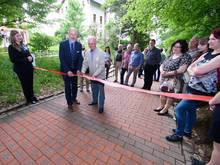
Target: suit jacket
19 59
96 64
70 61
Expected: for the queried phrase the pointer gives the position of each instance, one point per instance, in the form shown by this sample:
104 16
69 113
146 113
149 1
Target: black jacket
19 59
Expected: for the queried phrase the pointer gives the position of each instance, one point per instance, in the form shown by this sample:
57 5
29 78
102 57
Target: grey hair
72 28
92 37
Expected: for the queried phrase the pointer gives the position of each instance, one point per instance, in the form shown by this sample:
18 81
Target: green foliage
73 18
181 19
127 26
44 82
16 12
112 30
41 42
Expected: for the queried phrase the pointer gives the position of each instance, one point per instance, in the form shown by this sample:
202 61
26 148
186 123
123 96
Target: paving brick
126 139
152 158
11 145
25 144
123 151
34 153
2 147
112 161
141 160
58 160
138 139
133 149
73 159
143 147
175 155
73 148
116 141
44 160
89 158
179 162
47 151
6 156
20 154
128 161
100 155
164 157
112 133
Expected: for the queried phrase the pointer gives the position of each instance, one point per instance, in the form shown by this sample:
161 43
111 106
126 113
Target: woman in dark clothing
22 60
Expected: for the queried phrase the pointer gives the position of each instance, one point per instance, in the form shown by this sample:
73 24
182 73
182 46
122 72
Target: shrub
41 42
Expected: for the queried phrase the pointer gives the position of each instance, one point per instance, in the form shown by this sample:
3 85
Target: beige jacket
96 64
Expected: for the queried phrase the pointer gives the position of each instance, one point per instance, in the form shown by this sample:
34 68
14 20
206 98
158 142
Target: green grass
44 82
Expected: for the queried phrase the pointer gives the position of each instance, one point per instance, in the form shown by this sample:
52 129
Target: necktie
72 47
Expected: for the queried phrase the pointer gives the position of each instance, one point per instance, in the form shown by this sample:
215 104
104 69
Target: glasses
177 47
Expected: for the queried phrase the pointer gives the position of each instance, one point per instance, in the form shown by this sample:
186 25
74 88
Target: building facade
95 16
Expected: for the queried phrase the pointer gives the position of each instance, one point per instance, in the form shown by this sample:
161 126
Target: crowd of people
191 69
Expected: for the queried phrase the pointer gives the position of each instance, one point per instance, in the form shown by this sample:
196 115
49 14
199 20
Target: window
100 19
94 18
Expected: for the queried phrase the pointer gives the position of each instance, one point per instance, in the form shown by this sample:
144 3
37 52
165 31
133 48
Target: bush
41 42
45 83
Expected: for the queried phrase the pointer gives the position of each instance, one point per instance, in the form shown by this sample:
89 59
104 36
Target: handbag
171 84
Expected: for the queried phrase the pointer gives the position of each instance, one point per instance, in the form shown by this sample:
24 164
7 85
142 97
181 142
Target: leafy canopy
16 12
74 18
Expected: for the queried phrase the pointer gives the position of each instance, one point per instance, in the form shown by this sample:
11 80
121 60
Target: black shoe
33 102
100 110
158 110
70 108
174 138
132 85
196 161
163 114
189 135
92 103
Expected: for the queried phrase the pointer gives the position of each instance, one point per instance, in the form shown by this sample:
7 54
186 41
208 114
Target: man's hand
70 74
29 58
212 107
137 68
78 72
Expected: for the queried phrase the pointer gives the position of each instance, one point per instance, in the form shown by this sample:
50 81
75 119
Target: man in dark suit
70 53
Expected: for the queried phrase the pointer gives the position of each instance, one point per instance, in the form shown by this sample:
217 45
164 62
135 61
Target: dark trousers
140 72
70 89
26 79
123 70
157 73
149 71
107 71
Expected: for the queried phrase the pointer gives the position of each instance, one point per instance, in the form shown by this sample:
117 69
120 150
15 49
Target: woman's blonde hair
13 40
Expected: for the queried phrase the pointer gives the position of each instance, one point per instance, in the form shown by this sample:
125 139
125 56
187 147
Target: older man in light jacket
95 61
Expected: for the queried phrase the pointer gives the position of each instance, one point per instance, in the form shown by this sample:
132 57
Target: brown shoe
76 102
70 108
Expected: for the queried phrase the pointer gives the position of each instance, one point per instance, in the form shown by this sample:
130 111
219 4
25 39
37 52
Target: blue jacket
68 61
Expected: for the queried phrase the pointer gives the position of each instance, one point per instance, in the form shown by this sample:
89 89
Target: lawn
44 82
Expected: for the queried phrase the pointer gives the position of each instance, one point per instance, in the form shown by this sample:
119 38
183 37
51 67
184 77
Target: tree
16 12
127 26
181 19
73 18
41 42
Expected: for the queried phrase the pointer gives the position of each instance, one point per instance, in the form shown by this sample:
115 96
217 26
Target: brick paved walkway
128 132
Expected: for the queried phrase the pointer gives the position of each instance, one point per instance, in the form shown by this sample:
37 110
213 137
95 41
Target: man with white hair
70 54
95 61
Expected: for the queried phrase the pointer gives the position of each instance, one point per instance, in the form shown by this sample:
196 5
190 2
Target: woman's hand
29 58
164 74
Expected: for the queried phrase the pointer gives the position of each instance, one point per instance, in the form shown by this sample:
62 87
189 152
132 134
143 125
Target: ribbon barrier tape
173 95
